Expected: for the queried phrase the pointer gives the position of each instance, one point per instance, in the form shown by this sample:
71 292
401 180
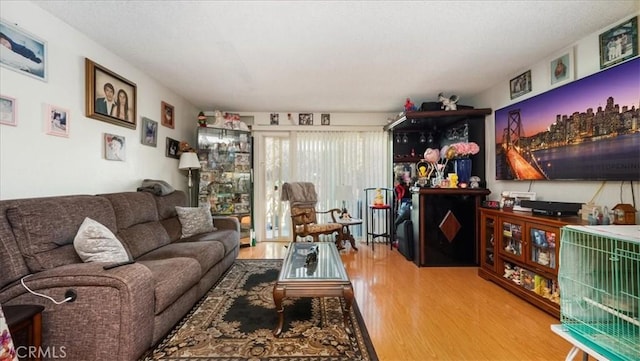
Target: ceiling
333 56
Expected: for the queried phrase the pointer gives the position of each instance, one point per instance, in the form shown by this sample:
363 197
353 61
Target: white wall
33 163
587 62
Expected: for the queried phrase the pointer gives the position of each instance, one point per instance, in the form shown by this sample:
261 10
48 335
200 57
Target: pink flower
465 149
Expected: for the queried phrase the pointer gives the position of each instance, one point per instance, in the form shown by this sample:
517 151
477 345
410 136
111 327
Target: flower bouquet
439 159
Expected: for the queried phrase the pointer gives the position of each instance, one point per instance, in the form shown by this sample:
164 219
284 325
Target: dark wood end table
21 318
346 233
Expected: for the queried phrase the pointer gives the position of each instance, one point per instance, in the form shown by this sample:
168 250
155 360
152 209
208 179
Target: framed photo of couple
109 97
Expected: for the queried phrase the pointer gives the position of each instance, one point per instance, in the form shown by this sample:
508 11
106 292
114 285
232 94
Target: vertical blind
332 160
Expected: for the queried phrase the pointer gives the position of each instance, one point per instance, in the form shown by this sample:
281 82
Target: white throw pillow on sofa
195 220
96 243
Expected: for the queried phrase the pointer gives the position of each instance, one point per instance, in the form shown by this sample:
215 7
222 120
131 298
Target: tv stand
520 252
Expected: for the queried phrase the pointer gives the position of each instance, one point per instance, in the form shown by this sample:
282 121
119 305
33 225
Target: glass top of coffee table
328 266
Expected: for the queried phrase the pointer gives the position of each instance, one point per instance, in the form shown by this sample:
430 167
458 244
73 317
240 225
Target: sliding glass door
339 163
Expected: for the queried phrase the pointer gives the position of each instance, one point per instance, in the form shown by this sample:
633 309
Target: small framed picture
275 119
25 53
172 148
520 196
8 107
57 121
561 69
305 119
325 119
520 85
149 132
619 43
167 115
114 147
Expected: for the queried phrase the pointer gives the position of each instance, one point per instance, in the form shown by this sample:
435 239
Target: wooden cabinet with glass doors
520 253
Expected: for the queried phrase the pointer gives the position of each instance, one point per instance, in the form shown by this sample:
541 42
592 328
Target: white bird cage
599 278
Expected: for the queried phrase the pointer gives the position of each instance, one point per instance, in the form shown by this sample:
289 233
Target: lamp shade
188 160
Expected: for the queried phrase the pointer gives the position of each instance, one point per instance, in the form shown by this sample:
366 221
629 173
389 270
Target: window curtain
341 165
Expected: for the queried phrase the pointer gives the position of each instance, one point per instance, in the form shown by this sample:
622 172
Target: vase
463 169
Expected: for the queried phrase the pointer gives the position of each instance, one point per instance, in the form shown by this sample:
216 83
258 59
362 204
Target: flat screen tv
585 130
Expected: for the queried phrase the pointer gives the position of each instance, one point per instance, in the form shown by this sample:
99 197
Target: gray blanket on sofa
157 187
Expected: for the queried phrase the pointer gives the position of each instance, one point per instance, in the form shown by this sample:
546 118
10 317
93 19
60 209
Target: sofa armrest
111 317
226 222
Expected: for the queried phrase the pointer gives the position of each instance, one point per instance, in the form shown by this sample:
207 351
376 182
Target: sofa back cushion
139 228
45 228
12 264
168 215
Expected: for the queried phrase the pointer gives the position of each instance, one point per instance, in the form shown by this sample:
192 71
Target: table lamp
189 161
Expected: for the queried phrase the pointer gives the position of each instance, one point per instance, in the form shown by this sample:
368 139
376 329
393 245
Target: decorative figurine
312 256
448 103
475 182
219 119
379 199
409 106
453 180
202 120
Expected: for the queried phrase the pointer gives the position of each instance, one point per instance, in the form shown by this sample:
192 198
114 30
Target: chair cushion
320 228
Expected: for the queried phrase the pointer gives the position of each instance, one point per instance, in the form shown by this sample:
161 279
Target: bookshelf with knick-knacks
520 252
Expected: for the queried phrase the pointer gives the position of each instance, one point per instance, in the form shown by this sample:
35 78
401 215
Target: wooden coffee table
324 278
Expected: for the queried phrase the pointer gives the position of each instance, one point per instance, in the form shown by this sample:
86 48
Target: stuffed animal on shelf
448 103
409 106
219 123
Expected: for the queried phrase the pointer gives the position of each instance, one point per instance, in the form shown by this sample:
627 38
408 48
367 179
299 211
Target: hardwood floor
438 313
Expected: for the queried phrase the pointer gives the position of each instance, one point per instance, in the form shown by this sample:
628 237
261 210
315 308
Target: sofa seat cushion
229 238
172 278
206 253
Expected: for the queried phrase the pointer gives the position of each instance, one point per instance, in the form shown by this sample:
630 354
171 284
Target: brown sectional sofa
121 312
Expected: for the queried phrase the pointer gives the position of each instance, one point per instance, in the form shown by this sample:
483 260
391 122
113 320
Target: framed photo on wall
172 148
57 121
561 69
167 113
109 97
520 85
8 108
305 119
275 119
619 43
114 147
149 132
25 53
325 119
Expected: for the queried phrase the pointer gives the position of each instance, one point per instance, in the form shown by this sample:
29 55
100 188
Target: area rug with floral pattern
236 318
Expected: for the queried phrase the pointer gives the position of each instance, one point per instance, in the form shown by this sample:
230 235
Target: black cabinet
446 226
